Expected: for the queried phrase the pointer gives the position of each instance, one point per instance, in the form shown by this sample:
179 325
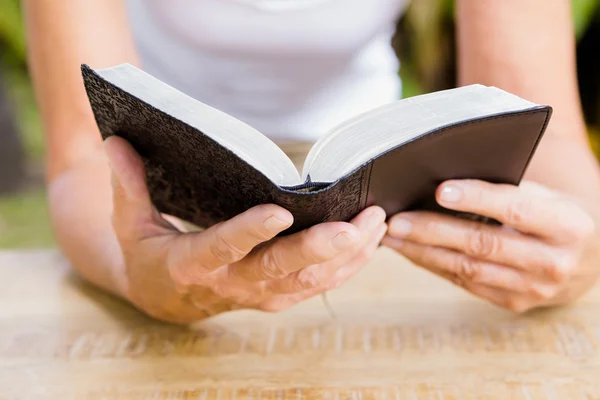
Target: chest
279 27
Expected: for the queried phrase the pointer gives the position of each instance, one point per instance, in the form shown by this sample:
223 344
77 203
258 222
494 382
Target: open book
205 166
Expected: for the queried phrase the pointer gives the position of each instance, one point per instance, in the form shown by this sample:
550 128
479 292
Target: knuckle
312 250
259 234
560 267
272 266
517 211
469 269
308 279
482 243
544 263
221 249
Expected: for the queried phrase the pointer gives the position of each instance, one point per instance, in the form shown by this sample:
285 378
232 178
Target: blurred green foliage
24 220
583 13
425 44
11 30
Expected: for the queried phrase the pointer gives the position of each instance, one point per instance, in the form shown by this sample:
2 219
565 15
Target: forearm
528 48
80 201
63 34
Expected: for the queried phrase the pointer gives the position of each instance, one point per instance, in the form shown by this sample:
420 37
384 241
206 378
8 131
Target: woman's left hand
536 258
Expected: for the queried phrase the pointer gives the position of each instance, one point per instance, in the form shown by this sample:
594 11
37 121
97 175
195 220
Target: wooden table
399 333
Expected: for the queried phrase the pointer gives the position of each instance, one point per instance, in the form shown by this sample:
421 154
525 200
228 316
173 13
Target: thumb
134 215
128 175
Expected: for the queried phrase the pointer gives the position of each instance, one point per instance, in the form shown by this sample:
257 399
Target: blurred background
424 43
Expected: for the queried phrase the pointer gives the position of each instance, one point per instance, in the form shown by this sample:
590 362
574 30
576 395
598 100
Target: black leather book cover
196 179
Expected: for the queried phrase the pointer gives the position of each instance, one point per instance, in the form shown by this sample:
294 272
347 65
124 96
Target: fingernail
450 194
377 219
400 227
342 241
274 224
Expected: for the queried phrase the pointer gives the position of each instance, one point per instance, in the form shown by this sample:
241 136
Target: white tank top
292 69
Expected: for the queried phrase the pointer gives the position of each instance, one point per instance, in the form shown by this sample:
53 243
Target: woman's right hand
183 277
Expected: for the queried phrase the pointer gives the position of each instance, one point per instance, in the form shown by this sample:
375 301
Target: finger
359 261
227 242
481 241
510 301
134 215
459 267
328 275
281 302
315 245
523 210
371 237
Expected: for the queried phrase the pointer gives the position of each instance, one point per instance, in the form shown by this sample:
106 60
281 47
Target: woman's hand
537 258
183 277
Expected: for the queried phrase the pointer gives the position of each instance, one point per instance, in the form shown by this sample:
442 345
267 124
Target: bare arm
63 34
528 47
113 235
549 255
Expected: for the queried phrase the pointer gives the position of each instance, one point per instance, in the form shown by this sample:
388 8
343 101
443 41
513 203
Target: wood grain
398 333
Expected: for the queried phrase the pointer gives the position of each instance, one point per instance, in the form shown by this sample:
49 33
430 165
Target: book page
364 137
246 142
